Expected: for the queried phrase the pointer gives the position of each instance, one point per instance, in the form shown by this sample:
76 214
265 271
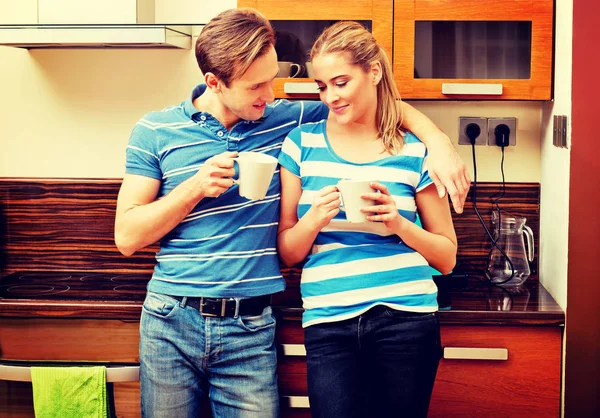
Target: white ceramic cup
352 203
255 173
285 69
309 70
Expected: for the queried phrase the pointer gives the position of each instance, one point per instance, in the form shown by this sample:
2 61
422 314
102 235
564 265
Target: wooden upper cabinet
473 49
298 23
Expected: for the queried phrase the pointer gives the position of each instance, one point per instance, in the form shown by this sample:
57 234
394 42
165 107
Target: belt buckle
223 306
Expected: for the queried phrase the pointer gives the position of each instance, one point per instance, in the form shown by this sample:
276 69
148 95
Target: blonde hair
360 46
231 41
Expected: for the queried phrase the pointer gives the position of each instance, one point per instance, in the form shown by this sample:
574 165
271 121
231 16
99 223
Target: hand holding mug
214 178
324 207
384 207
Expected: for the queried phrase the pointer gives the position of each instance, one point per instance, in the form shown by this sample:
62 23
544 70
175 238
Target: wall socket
464 121
512 125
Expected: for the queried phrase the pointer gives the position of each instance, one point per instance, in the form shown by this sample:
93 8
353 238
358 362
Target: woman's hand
325 206
385 209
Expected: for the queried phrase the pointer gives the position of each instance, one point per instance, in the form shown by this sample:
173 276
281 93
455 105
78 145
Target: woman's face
348 91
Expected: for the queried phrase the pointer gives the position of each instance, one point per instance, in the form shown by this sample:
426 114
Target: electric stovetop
74 286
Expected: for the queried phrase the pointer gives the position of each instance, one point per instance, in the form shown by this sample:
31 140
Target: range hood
96 36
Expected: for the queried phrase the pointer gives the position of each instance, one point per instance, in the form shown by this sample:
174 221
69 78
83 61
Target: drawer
490 371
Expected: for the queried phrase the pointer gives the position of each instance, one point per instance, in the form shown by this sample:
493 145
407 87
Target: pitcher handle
530 243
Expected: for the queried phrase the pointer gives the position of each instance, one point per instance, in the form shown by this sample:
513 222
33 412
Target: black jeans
380 364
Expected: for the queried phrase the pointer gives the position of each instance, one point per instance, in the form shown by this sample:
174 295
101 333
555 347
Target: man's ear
376 72
212 82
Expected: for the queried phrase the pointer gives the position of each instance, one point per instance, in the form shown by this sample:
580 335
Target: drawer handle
296 401
113 374
300 88
293 350
474 89
469 353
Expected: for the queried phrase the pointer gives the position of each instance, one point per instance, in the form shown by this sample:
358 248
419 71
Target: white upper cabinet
21 12
95 11
190 12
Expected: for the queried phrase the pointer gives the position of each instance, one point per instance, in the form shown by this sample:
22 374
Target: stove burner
130 289
29 290
41 277
120 278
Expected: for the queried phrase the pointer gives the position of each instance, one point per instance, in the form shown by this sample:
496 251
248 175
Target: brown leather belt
228 307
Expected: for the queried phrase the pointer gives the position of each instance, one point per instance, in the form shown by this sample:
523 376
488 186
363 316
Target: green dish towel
69 392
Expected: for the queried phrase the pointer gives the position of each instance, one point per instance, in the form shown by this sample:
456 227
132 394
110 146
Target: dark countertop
477 304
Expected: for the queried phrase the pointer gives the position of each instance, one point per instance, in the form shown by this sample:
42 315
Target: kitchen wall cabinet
477 49
301 22
453 49
14 12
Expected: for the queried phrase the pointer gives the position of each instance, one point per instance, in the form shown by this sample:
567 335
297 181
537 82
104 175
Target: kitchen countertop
478 303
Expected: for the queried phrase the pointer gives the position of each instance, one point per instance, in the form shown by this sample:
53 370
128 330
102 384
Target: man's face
247 96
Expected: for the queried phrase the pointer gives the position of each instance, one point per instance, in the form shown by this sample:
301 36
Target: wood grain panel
68 339
525 385
67 225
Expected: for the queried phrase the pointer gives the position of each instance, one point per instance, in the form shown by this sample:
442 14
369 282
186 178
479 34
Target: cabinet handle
469 353
113 374
300 88
473 89
296 401
293 350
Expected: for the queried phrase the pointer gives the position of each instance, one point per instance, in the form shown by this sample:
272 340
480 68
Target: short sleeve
141 156
424 180
290 156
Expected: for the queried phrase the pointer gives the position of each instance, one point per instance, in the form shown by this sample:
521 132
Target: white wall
69 113
554 217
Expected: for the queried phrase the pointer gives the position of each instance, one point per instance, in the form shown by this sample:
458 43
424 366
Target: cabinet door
473 49
298 23
498 371
18 12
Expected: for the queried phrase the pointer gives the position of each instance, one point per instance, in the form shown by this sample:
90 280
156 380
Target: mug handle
299 68
236 181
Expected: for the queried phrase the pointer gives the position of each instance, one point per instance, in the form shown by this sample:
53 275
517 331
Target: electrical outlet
512 125
463 122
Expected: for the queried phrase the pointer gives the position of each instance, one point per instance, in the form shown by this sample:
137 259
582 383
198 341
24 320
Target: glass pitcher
508 233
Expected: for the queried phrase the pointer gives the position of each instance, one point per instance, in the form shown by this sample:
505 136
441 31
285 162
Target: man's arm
142 220
446 168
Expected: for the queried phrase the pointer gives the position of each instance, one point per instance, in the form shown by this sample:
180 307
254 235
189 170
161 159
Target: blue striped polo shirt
353 267
226 246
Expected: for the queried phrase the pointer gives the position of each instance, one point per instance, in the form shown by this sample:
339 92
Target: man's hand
214 178
448 172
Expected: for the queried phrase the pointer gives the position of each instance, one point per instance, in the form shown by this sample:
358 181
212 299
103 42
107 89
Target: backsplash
67 225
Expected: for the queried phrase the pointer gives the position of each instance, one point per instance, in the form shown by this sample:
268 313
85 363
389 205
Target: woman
370 323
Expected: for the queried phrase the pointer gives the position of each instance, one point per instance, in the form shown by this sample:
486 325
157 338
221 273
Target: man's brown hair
231 41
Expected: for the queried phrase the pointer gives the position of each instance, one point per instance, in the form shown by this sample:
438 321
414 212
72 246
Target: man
207 324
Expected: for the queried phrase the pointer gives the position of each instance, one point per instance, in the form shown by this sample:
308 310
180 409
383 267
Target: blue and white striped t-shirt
226 246
353 267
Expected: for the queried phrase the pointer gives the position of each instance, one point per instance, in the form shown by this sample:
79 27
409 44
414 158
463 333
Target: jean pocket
258 322
159 305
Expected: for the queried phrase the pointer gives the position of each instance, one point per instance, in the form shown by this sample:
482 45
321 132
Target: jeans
184 356
380 364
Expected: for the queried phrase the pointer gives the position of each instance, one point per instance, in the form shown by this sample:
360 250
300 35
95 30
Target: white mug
285 69
255 173
352 203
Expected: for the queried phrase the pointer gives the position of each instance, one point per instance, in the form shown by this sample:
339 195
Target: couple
371 332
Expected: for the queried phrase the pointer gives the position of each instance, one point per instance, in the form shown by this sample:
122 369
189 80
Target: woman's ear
376 72
212 82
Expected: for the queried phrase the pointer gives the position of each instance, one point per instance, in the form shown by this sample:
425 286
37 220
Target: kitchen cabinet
14 12
473 49
299 23
453 49
487 371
